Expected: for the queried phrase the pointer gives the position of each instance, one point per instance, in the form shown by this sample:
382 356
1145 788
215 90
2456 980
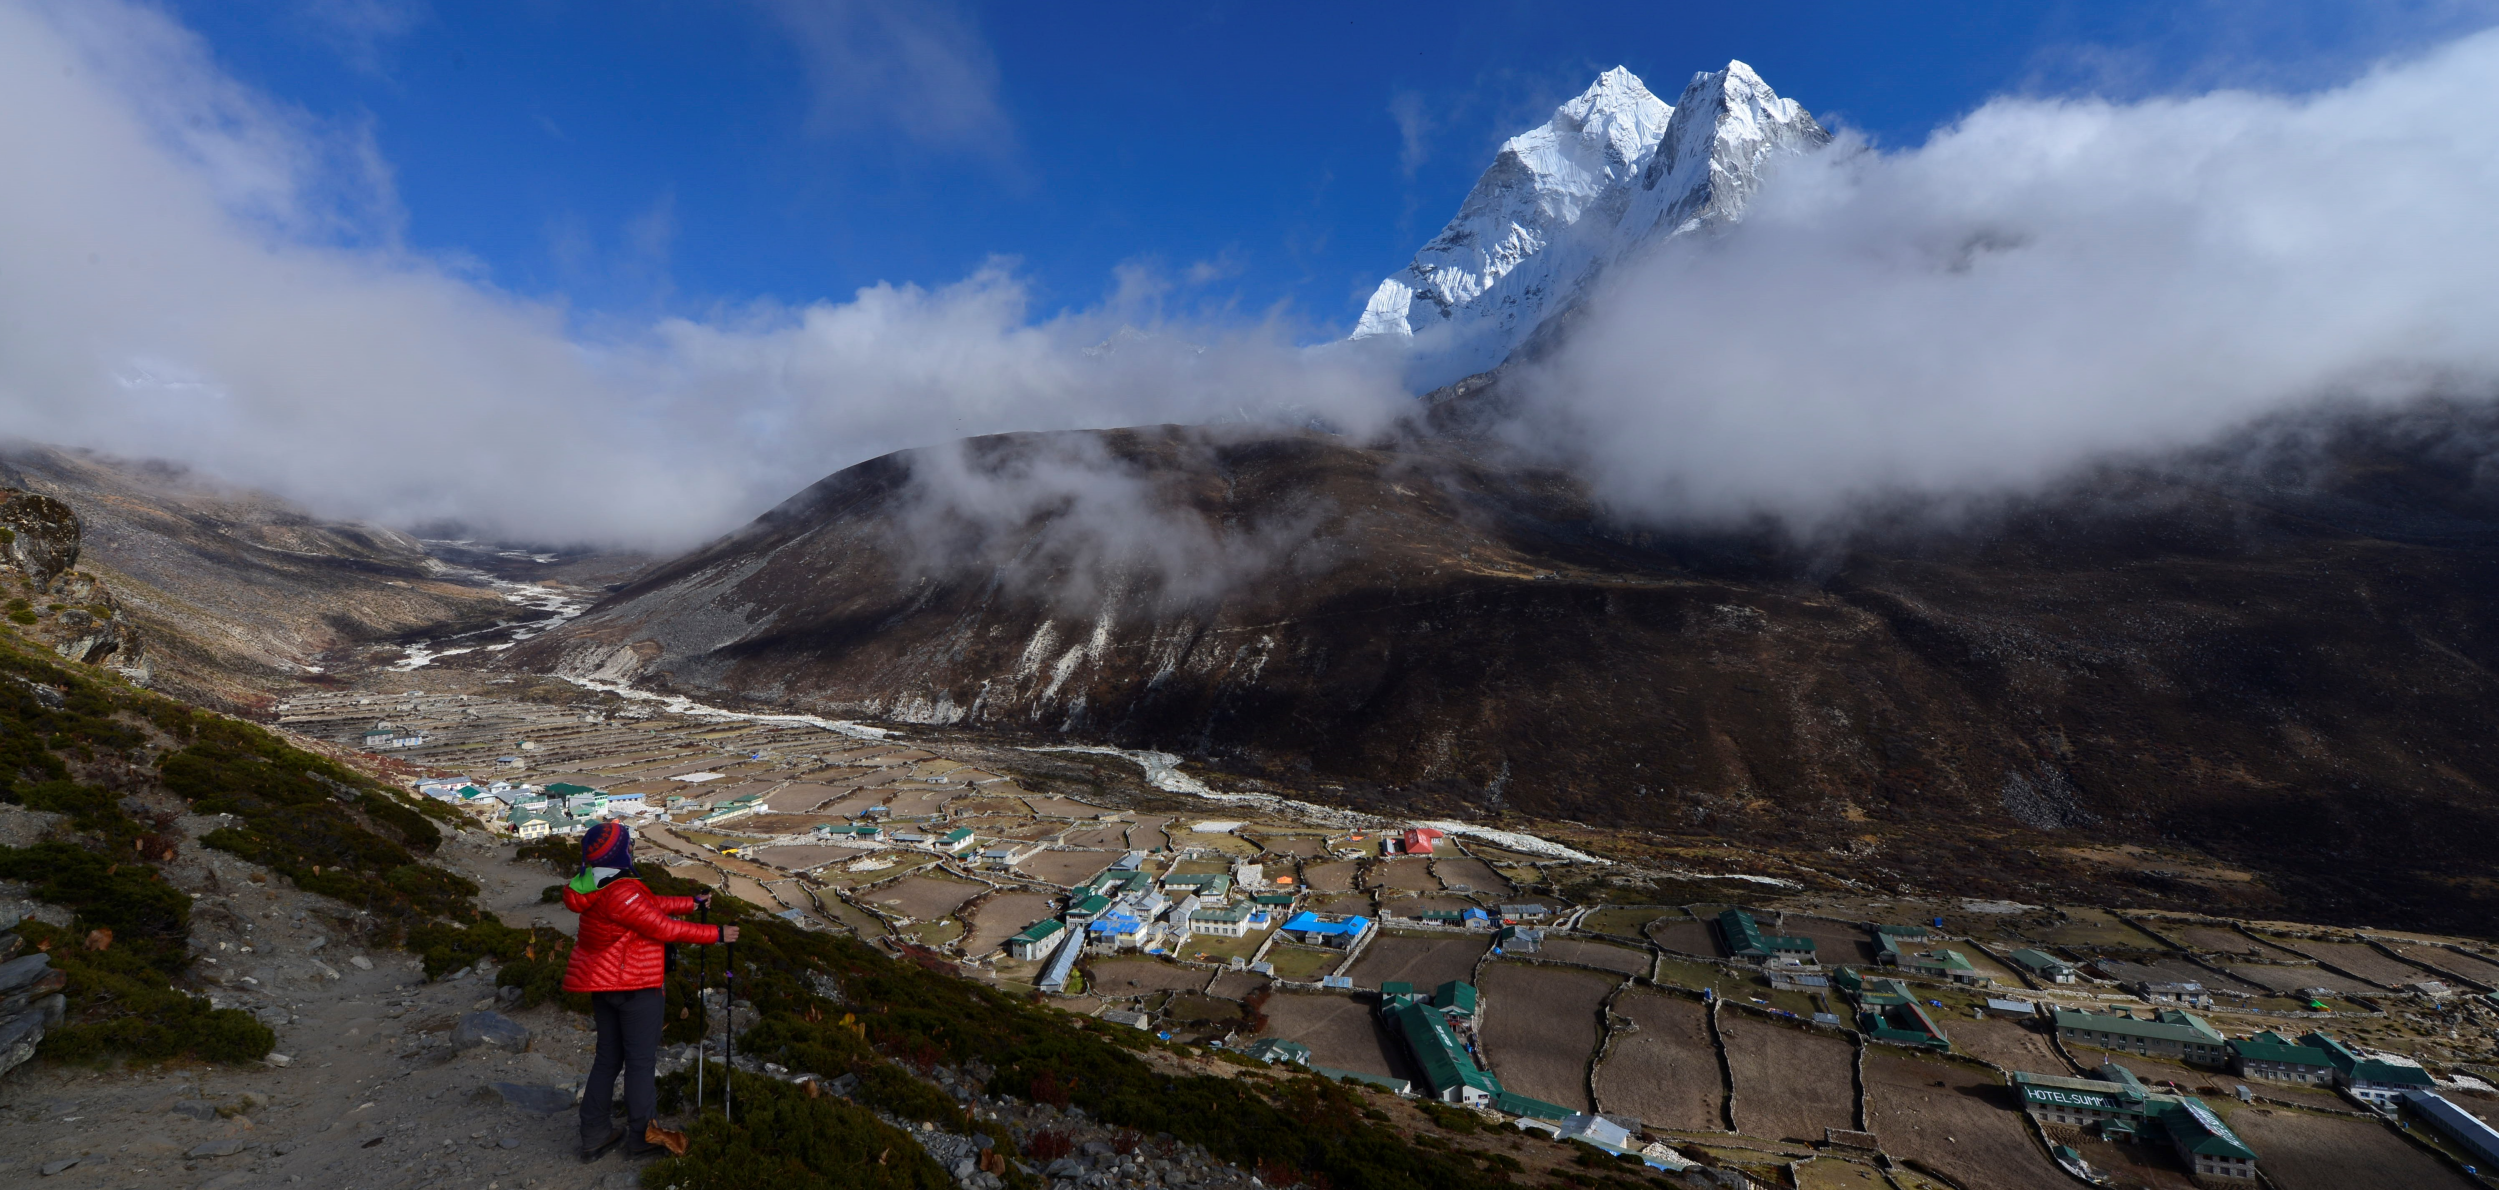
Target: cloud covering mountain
2044 284
191 269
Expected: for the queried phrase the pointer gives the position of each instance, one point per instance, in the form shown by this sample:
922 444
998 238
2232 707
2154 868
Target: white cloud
921 67
188 270
2045 284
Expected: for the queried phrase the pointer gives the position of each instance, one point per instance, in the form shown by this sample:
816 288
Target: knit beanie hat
607 845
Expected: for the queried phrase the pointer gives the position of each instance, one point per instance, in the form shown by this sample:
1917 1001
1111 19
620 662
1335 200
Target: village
1794 1036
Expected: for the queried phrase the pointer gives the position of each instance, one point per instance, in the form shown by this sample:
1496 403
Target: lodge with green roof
1036 939
2116 1104
1449 1071
2271 1056
1888 1010
1744 939
2376 1078
2171 1033
1944 964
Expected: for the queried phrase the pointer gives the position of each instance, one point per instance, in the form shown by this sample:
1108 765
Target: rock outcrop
59 606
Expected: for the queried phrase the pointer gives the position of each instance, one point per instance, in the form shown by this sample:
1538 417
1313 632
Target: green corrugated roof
1744 934
1436 1051
1039 930
2193 1127
1520 1105
2274 1047
1456 994
1948 961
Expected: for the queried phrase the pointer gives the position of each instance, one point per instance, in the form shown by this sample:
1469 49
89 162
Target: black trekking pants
628 1024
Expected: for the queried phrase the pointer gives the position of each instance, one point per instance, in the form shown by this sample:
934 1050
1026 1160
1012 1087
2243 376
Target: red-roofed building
1420 840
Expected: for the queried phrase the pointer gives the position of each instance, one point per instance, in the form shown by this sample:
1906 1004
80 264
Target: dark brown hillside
2293 678
235 590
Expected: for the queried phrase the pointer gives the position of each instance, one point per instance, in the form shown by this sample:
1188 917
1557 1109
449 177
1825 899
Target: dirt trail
373 1094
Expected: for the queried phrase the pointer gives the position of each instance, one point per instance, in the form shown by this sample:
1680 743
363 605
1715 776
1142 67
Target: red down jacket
623 925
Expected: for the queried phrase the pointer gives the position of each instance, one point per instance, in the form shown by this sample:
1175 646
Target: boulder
544 1100
40 537
23 972
490 1028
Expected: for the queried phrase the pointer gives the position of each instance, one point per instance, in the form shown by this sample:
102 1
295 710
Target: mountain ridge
1614 173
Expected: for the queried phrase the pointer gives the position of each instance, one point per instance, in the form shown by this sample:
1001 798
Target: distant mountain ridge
1613 173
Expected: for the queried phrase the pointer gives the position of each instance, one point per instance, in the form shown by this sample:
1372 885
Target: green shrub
121 998
561 855
787 1141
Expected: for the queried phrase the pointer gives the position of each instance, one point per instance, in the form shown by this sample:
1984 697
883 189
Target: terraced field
1539 1027
1664 1072
1789 1084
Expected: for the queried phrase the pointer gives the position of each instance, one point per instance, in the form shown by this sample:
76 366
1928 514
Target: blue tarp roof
1309 923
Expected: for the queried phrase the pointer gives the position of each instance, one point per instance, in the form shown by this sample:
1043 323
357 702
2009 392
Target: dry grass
2287 979
1066 868
1685 936
2307 1151
1233 985
2464 965
1106 838
1603 955
1299 846
1968 1128
1122 977
1626 923
1538 1028
1303 964
1340 1032
2015 1044
1475 874
1409 873
2366 963
1326 878
1789 1084
803 857
1665 1073
1002 917
1059 807
809 797
925 898
1426 962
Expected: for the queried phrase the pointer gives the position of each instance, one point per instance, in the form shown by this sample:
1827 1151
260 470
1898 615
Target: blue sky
633 157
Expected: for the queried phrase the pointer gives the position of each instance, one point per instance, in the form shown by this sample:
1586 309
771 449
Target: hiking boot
651 1139
595 1146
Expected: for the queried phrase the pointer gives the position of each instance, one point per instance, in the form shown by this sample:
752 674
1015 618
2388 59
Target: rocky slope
2293 678
59 606
234 591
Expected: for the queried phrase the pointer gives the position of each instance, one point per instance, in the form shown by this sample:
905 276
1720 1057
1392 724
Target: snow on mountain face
1613 171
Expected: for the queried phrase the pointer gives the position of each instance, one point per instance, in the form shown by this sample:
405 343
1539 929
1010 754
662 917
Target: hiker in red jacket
621 960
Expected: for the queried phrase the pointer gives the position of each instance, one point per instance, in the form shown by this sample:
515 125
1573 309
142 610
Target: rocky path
379 1085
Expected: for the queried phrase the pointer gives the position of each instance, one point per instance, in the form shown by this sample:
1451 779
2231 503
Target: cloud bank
189 270
2043 285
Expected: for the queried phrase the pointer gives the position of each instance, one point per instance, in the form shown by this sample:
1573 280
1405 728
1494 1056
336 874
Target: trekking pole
702 977
729 1075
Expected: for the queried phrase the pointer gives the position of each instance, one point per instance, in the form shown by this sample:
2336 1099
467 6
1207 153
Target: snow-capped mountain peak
1708 165
1542 184
1613 171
